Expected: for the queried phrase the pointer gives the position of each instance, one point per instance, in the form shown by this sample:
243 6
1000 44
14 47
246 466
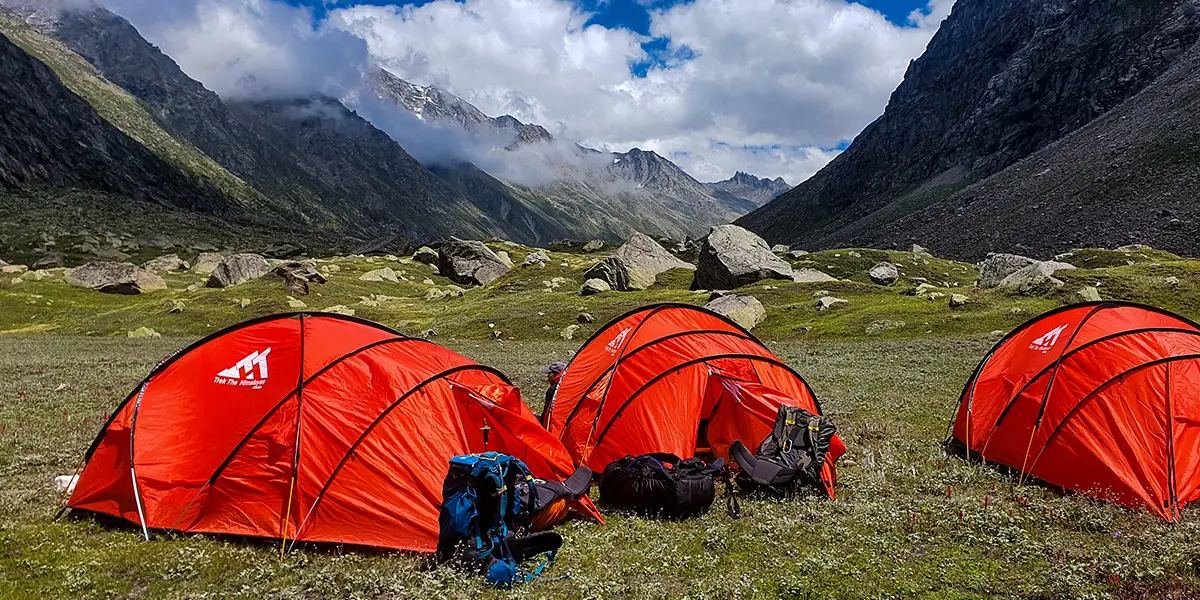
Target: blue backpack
485 517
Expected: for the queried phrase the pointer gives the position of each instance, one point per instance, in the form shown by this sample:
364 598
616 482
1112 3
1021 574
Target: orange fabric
551 515
645 381
1098 398
216 435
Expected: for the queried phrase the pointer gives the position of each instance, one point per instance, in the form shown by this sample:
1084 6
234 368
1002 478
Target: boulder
392 243
636 264
746 311
1134 248
379 275
238 269
795 254
1172 280
780 248
957 300
115 278
830 302
454 291
176 307
732 257
998 266
13 269
434 294
49 261
470 262
425 255
884 325
585 318
537 257
884 273
505 258
592 287
296 304
65 484
593 246
166 264
918 249
1089 294
297 275
284 250
811 276
1035 278
568 332
206 263
143 332
340 309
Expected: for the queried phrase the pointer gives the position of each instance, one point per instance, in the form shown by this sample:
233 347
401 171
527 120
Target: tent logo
1046 342
614 346
248 372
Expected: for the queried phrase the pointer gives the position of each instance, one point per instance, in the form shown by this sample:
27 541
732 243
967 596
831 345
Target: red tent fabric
311 427
647 381
1101 398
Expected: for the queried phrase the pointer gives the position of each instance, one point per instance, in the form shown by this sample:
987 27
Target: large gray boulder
636 264
297 275
237 269
731 257
746 311
592 287
166 263
115 278
998 266
884 273
426 255
470 262
811 276
207 262
1035 278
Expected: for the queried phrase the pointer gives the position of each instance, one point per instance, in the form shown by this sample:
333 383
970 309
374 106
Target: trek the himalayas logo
249 372
614 346
1047 341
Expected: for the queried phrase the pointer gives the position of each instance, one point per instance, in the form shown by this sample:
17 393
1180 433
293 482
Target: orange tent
311 427
673 378
1101 398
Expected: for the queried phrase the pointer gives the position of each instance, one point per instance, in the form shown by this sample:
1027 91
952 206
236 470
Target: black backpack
790 458
660 485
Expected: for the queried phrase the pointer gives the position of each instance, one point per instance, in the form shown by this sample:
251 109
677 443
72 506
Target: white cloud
796 74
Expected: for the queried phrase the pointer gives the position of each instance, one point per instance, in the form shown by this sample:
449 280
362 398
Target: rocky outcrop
746 311
207 262
731 257
811 276
884 273
165 264
592 287
394 244
115 278
537 257
425 255
996 267
470 262
636 264
297 275
1035 278
997 83
237 269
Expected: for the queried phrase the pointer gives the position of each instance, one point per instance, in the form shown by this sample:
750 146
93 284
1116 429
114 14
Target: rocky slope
754 189
999 81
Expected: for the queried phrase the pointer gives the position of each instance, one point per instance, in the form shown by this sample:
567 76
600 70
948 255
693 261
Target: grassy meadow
910 521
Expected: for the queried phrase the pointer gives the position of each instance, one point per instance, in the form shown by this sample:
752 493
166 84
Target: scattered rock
207 262
340 309
115 278
798 253
243 303
884 273
434 294
821 293
470 262
1089 294
429 333
594 286
998 266
65 484
297 275
379 275
918 249
718 294
732 257
391 243
811 276
780 248
1172 280
537 257
746 311
143 332
497 334
877 327
331 268
1134 248
568 332
957 300
830 302
593 246
454 291
238 269
425 255
505 258
13 269
194 287
166 264
284 250
854 254
297 304
585 318
49 261
636 264
176 306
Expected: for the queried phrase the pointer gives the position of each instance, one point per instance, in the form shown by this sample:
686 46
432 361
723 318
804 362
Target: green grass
894 531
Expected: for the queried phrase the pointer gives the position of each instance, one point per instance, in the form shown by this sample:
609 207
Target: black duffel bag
660 485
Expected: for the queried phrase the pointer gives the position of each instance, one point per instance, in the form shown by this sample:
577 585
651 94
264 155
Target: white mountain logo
1047 341
248 372
614 346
